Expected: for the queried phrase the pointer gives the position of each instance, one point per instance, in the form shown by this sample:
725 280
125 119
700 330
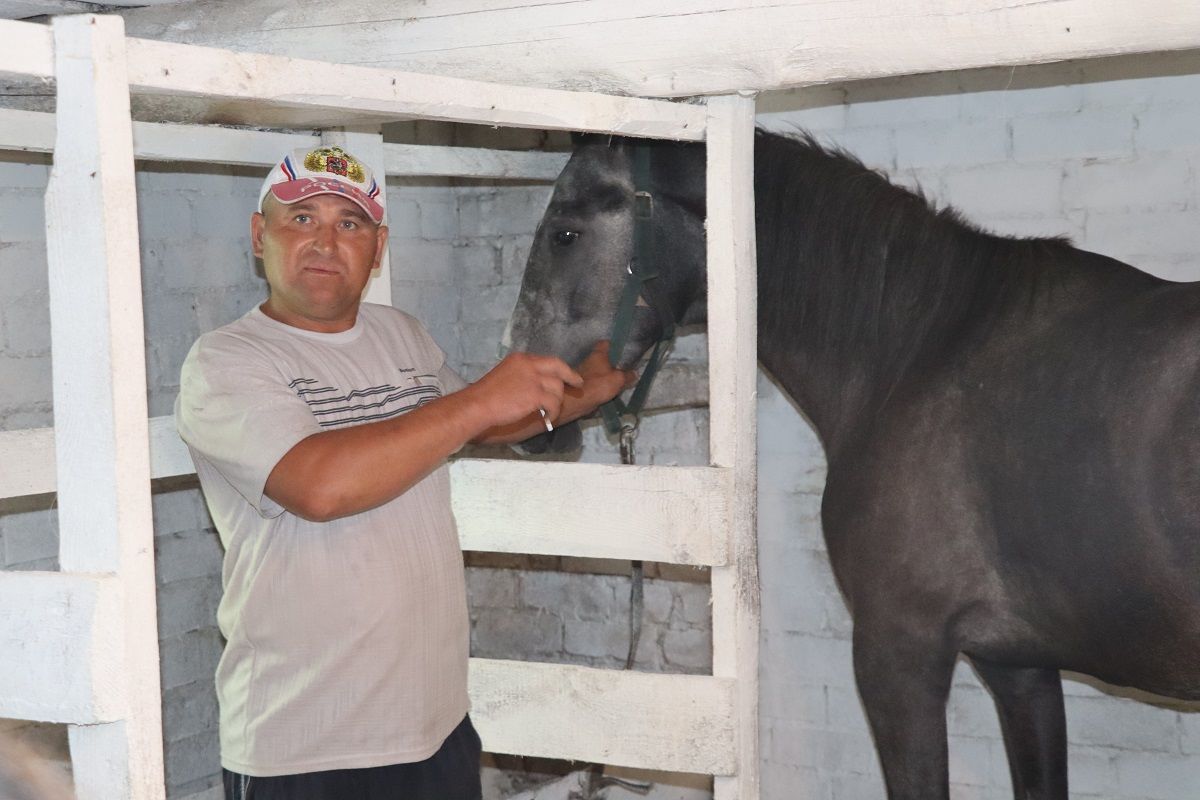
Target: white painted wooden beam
98 349
33 131
678 723
675 515
678 48
28 50
56 666
472 162
252 86
733 374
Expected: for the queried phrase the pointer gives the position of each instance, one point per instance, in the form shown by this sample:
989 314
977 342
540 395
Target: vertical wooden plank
367 146
100 413
733 369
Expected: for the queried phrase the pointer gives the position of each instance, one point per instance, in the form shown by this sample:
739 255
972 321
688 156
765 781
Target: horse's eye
566 238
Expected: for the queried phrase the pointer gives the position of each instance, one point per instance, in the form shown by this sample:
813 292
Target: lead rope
637 571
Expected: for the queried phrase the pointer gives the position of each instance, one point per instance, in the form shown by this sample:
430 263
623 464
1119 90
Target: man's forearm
341 472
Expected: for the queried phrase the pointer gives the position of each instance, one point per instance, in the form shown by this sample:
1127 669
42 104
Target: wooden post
367 145
100 413
733 371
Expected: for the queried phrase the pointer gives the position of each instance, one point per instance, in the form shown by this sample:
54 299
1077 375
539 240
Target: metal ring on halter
546 421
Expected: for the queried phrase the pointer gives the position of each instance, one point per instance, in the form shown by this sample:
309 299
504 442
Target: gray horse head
582 251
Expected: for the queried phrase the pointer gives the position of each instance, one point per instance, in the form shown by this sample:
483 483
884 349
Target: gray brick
503 633
187 555
169 215
188 605
694 604
27 325
815 661
403 217
23 268
972 713
892 112
689 650
970 761
192 759
491 212
1003 103
24 170
27 381
1169 128
1093 771
1127 184
205 262
938 144
189 657
179 510
1106 722
584 597
1127 235
189 710
1157 776
513 258
428 262
657 599
783 701
787 780
1189 733
598 639
22 216
477 264
492 588
29 535
430 303
1087 134
439 215
1005 191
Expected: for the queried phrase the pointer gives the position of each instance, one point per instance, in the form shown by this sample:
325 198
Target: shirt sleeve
237 412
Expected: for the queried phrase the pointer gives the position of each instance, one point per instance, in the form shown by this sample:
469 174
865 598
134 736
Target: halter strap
639 282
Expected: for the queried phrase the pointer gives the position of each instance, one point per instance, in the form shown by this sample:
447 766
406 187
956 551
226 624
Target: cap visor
289 192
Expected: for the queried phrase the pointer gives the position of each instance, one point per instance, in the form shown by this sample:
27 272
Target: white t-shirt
347 641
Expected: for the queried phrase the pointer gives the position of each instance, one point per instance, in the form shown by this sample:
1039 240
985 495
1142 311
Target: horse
1011 425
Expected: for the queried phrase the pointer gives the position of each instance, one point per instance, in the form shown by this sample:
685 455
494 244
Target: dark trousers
452 773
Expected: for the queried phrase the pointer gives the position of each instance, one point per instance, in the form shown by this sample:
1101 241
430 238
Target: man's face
318 254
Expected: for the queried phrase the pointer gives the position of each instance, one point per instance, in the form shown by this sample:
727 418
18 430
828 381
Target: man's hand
601 383
598 383
518 386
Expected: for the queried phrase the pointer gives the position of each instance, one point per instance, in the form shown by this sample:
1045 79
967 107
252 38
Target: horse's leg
1030 703
904 682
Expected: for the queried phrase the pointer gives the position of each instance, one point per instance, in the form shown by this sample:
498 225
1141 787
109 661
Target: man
319 427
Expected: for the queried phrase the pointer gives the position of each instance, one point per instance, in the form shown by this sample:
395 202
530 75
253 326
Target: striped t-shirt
347 640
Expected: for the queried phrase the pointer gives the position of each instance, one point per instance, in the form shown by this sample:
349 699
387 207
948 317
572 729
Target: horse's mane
866 270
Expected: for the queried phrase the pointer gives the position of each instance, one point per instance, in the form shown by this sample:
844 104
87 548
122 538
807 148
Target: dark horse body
1012 428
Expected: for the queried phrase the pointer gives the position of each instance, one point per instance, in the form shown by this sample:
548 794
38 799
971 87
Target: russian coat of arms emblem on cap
334 160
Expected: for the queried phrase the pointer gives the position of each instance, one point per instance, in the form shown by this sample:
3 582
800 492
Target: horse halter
640 285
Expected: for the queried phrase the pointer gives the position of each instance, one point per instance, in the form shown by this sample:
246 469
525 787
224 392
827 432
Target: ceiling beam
676 48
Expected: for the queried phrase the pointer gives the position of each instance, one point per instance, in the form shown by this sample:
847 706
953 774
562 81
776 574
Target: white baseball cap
306 172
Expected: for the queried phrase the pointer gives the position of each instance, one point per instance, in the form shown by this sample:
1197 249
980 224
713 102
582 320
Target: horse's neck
844 307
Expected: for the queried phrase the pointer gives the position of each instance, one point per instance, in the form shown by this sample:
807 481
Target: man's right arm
349 470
